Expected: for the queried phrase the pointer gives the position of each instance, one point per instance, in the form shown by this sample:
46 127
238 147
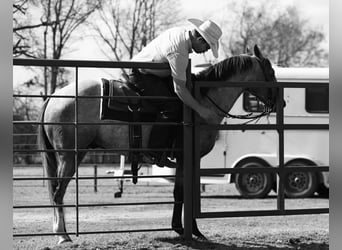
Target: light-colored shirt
172 46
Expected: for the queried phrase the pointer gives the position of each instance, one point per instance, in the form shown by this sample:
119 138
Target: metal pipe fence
89 64
195 204
191 128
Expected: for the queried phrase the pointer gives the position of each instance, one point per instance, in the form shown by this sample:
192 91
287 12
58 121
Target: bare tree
65 17
285 36
125 27
50 36
23 28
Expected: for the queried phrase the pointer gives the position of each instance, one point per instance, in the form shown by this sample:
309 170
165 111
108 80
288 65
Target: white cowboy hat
210 31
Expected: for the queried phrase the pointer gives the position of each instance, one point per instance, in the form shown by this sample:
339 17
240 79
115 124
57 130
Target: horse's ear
248 51
257 52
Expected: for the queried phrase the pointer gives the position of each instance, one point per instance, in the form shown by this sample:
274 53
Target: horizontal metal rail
211 171
92 177
265 126
25 134
258 84
101 204
204 126
102 97
97 150
88 63
263 213
104 122
99 232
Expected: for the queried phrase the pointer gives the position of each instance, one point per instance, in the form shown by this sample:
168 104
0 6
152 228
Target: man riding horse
172 46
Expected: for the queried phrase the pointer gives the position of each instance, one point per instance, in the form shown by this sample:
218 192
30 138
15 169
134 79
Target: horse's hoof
199 235
64 239
178 230
117 195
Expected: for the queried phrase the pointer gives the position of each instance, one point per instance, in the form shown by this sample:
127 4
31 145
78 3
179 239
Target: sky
315 11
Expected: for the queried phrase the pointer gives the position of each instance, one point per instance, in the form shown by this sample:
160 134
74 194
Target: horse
60 165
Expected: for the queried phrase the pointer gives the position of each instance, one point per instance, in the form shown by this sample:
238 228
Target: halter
267 110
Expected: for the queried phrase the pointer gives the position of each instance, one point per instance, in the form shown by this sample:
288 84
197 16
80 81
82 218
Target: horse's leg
196 231
178 198
178 194
66 169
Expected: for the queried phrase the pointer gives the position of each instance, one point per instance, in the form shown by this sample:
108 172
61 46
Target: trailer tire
300 184
253 184
323 191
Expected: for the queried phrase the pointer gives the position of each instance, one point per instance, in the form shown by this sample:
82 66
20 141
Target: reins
242 117
266 112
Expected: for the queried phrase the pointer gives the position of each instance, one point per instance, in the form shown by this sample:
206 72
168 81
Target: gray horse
61 165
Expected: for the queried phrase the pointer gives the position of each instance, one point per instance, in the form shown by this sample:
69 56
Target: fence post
95 178
280 129
188 163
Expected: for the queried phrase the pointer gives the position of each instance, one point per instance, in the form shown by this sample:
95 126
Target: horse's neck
225 98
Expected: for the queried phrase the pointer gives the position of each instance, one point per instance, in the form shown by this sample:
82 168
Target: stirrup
164 161
160 161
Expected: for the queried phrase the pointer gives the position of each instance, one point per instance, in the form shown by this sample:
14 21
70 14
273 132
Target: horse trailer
259 148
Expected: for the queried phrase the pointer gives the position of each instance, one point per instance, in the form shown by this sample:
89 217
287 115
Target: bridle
267 109
248 116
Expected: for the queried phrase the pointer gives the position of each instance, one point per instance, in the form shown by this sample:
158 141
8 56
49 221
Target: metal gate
76 64
192 175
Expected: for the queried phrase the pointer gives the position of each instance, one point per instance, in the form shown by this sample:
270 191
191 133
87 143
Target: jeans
162 136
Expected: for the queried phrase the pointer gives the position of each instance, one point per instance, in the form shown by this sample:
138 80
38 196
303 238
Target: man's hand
183 93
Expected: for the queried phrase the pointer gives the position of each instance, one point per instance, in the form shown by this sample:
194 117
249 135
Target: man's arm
186 97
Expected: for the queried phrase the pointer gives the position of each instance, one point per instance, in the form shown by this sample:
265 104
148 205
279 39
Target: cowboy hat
210 31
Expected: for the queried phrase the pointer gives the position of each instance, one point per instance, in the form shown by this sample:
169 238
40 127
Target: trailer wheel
300 184
253 184
323 191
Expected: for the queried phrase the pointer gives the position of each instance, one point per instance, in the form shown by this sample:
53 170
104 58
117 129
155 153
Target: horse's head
252 68
265 72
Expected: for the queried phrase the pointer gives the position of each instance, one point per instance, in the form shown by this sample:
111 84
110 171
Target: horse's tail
49 159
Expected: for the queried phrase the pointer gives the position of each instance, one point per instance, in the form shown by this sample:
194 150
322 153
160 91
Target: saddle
119 102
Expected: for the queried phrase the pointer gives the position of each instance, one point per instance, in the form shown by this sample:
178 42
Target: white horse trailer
259 148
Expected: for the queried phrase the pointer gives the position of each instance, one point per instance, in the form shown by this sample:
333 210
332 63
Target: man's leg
170 111
160 137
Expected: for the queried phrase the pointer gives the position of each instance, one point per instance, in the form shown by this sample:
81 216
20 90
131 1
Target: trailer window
251 103
317 100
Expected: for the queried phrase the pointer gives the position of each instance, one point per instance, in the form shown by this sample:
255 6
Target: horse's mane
224 69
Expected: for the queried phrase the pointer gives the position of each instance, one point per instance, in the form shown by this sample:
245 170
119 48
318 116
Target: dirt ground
269 232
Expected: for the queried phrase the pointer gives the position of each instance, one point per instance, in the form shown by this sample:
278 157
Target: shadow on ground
180 243
195 244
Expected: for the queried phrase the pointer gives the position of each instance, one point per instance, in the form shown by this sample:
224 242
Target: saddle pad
118 109
118 88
